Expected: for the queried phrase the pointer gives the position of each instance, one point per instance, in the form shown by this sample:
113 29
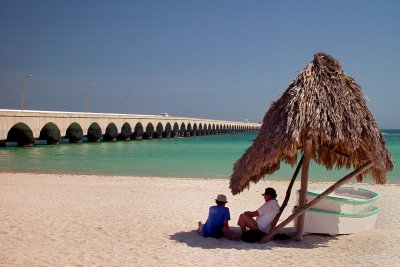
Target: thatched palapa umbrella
324 115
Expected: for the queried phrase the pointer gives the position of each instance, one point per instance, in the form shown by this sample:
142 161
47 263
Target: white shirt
267 213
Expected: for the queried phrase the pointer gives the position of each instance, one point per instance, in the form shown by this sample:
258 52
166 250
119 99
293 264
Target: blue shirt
215 221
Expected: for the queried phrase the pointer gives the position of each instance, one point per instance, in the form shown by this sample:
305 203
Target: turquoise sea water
202 156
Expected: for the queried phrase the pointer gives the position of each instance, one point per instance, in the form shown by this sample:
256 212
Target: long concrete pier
28 127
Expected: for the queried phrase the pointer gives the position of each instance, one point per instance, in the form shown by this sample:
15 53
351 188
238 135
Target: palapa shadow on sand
193 239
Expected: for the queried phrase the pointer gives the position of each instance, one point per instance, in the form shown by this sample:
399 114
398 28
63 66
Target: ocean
202 156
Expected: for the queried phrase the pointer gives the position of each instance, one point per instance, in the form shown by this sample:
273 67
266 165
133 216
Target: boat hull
347 210
334 223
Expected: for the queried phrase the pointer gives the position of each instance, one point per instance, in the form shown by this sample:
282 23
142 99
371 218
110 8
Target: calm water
207 156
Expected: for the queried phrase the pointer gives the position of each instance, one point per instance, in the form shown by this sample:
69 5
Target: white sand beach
71 220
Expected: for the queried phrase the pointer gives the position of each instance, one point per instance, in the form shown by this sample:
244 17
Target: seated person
217 222
265 214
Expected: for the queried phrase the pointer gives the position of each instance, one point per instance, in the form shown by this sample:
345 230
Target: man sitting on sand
217 222
265 214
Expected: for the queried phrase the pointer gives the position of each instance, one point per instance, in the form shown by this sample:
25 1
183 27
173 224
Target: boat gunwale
359 201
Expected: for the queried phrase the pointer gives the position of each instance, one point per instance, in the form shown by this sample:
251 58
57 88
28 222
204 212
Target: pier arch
51 133
111 132
126 132
182 129
148 134
74 133
188 130
168 130
159 131
223 128
212 130
21 134
208 128
94 133
138 133
175 130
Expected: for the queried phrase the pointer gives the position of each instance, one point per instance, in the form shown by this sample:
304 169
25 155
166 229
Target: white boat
347 210
334 223
344 200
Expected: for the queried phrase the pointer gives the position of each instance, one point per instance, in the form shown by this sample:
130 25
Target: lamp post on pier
22 90
86 97
126 102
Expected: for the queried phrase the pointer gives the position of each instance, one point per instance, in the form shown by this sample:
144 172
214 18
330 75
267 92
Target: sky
216 59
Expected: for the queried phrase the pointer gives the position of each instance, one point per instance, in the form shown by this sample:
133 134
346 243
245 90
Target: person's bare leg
227 233
233 235
246 221
241 223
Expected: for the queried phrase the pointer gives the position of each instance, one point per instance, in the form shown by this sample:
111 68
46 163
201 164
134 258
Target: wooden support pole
303 187
287 197
332 188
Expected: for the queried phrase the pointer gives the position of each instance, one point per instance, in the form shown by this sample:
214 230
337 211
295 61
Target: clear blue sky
222 59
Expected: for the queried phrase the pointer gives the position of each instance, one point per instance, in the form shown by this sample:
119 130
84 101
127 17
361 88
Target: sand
71 220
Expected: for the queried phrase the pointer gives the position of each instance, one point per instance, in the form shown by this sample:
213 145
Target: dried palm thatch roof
323 104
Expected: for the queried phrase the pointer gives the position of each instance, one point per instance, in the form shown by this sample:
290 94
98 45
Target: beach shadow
310 241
